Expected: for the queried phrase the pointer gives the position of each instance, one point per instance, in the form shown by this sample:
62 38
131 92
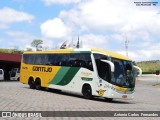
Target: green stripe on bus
69 76
86 79
60 74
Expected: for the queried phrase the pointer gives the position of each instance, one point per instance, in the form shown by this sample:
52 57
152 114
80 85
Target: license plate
124 96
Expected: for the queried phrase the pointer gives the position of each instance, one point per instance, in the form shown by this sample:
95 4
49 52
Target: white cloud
146 52
9 15
54 28
142 55
94 41
107 24
112 15
19 39
118 37
119 20
50 2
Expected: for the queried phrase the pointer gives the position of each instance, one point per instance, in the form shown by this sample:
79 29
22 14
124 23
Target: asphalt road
15 96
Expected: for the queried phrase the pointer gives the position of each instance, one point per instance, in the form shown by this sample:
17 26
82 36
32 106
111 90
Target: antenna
126 46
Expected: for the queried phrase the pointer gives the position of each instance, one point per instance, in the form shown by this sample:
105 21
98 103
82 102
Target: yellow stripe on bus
51 51
55 70
110 54
120 88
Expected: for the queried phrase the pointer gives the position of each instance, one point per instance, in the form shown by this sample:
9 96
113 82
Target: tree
29 49
36 43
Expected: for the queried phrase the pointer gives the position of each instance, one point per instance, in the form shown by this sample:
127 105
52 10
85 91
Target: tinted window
50 59
100 56
81 60
28 59
60 59
56 59
25 58
71 60
102 67
124 73
39 59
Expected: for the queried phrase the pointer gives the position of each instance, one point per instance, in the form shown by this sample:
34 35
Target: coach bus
90 72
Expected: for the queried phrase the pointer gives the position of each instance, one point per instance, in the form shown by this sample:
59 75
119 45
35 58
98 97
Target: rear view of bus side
90 72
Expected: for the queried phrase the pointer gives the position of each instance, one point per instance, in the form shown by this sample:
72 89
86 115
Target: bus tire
38 84
109 99
87 91
17 79
31 83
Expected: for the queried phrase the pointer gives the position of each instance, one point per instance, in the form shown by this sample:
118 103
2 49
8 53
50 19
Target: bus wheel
87 91
109 99
38 84
31 84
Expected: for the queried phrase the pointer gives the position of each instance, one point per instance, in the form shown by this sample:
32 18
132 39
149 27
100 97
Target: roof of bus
82 50
111 54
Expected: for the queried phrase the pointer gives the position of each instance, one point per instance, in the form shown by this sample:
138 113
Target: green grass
149 66
11 51
6 50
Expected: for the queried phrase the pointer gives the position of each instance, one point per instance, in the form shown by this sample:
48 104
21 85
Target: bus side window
50 58
53 59
64 60
25 58
90 66
82 63
39 59
31 59
43 59
58 60
67 58
71 62
87 62
46 60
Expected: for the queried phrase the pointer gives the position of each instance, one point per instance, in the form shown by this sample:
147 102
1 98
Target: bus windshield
123 75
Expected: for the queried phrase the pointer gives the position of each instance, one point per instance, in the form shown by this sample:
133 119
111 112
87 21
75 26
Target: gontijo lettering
42 69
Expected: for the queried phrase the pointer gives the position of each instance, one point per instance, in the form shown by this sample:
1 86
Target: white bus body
90 72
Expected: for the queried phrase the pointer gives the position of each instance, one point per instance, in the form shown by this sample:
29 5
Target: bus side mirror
110 64
139 69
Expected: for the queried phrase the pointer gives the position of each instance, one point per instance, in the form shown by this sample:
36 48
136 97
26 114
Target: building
9 61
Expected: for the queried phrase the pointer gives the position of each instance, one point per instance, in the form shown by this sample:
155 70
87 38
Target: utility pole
126 46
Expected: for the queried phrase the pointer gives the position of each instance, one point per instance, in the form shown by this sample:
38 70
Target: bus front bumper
120 95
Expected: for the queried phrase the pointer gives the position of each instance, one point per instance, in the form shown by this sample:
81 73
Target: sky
104 24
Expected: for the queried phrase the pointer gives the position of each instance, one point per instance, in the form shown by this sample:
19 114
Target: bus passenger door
104 73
